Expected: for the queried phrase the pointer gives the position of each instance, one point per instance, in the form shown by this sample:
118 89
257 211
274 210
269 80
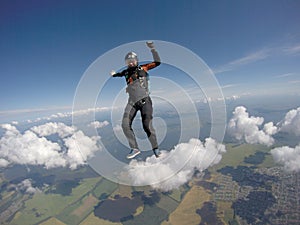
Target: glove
112 72
150 44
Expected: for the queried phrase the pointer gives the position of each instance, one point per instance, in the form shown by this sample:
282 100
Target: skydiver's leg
147 116
128 116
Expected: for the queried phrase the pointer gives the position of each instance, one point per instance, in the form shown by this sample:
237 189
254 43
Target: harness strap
135 75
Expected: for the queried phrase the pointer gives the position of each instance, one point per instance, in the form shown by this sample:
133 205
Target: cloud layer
70 147
32 147
178 166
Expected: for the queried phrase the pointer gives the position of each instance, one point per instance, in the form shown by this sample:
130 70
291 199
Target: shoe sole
157 155
134 155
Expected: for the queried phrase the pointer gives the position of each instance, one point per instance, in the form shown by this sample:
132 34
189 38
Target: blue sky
252 46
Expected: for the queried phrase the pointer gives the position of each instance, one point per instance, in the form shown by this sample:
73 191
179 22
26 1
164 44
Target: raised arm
156 58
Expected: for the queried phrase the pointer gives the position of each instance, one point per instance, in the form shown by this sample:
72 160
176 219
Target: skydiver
139 100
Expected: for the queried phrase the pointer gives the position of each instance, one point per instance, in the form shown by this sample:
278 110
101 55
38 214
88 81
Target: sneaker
133 153
156 152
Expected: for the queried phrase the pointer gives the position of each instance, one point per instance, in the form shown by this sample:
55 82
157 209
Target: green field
104 187
176 195
78 211
42 206
151 215
167 203
93 220
235 155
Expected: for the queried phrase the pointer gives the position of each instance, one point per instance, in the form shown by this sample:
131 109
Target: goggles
131 61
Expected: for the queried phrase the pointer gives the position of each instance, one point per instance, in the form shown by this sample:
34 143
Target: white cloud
270 129
250 58
117 128
288 157
98 124
235 97
243 127
291 122
229 86
292 50
29 148
209 99
3 163
80 148
259 55
294 81
285 75
246 128
52 128
27 187
81 112
186 158
61 115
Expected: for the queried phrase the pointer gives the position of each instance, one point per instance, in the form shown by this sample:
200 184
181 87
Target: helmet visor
131 59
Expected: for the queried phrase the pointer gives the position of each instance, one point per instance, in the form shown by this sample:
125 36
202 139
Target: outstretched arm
114 74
